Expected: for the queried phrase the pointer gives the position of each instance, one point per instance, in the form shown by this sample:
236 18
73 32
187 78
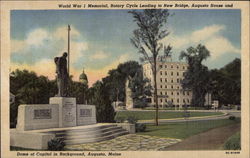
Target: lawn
149 115
185 129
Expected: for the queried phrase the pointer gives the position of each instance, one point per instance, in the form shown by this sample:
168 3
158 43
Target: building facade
169 77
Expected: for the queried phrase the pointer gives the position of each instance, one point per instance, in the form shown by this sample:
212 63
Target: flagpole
68 48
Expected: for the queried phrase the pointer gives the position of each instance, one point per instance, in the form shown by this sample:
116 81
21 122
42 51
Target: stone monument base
38 139
37 124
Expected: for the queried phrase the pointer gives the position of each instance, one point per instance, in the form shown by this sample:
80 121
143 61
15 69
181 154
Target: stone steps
90 135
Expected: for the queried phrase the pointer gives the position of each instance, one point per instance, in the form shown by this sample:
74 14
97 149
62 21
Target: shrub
231 117
139 127
233 143
56 144
132 119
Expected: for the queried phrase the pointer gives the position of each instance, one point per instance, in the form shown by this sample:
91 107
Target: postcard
125 79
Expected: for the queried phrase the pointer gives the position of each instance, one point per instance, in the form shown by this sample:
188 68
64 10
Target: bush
56 144
139 127
233 143
231 117
132 119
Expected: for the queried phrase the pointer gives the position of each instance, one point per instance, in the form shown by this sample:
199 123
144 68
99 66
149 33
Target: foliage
115 81
56 144
233 143
147 39
226 83
99 97
196 77
29 88
140 127
232 118
132 119
141 88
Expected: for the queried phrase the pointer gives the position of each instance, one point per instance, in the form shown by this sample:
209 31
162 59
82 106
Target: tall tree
147 39
99 97
196 78
226 83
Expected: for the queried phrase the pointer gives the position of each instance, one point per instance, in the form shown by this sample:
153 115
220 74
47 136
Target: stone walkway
130 142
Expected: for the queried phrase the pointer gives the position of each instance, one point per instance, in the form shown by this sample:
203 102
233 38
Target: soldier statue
62 75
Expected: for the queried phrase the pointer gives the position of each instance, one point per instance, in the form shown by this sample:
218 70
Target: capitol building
169 77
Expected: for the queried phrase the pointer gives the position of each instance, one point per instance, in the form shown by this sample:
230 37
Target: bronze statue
62 74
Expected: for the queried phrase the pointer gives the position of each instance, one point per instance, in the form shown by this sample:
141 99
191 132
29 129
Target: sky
100 39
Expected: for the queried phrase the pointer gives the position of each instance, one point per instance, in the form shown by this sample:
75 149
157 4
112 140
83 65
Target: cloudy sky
100 39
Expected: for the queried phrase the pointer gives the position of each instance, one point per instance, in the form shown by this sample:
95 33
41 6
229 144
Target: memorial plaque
42 114
67 110
85 112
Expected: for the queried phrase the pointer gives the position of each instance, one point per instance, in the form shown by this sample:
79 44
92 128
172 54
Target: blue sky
100 39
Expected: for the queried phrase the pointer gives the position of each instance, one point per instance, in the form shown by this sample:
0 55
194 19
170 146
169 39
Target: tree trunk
155 93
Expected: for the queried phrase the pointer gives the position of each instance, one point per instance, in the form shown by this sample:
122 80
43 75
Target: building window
165 66
188 100
172 73
183 93
160 93
172 87
160 72
166 100
177 87
161 79
172 100
177 93
177 73
160 86
177 67
178 80
160 66
172 81
184 101
166 73
187 93
161 100
166 80
172 93
171 66
166 93
177 100
166 86
183 67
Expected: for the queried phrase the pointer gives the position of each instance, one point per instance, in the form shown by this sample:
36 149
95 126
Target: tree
29 88
115 81
141 89
99 98
197 77
226 83
147 39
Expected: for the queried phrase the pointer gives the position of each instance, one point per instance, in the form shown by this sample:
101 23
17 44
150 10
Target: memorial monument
37 124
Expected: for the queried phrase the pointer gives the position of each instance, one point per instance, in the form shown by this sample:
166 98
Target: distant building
169 77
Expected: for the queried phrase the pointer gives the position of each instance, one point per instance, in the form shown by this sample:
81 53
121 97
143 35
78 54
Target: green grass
149 115
233 143
173 108
185 129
